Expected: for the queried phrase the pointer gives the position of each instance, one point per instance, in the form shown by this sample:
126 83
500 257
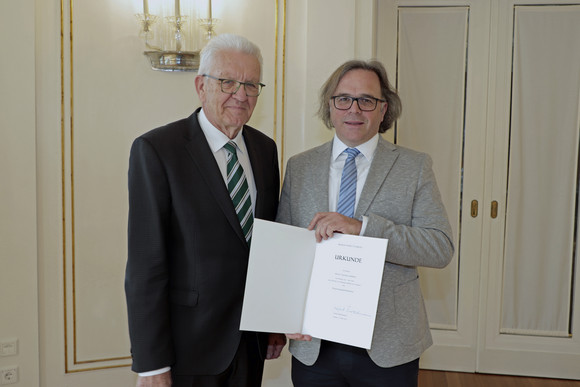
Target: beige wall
69 109
74 105
18 234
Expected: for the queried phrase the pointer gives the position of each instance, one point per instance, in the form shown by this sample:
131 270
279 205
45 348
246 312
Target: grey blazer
402 203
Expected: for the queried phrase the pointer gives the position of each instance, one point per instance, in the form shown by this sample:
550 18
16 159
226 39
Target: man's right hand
161 380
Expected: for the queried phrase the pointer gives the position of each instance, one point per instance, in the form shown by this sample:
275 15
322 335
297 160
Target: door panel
491 90
542 170
529 319
432 52
440 49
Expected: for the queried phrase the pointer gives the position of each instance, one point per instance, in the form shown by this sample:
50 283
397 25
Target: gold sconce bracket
173 60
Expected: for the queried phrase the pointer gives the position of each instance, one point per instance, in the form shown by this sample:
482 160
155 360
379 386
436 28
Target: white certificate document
328 290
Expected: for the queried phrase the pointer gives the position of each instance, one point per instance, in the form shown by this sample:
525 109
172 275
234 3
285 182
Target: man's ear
384 109
200 86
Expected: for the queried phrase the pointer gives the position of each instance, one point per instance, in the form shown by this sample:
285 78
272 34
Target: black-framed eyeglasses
229 86
366 104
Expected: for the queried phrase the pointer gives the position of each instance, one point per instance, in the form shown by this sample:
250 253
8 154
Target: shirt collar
215 137
367 149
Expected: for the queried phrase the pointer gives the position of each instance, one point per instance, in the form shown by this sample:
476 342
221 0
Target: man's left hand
276 342
327 223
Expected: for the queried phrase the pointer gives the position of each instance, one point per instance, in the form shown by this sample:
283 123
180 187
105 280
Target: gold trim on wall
63 182
282 119
70 367
283 95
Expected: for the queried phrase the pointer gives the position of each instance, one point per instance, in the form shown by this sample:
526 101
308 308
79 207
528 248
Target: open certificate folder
328 290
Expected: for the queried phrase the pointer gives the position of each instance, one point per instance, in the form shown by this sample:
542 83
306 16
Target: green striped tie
239 191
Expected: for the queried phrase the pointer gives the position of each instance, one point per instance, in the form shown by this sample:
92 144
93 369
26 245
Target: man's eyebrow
364 95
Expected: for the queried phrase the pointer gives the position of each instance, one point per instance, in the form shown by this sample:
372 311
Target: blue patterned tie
347 194
239 191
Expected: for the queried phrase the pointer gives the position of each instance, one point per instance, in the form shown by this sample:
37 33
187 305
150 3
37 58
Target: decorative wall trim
72 363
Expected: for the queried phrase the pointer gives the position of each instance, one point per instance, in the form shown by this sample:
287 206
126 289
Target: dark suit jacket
187 261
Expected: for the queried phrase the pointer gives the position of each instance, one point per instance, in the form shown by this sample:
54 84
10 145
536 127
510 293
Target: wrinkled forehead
237 65
359 82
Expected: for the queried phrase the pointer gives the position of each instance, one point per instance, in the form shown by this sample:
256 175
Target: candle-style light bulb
146 20
179 21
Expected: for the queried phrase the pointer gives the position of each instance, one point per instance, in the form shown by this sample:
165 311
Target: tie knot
230 147
351 152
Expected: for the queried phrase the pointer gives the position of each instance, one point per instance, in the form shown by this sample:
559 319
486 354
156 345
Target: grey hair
226 42
388 92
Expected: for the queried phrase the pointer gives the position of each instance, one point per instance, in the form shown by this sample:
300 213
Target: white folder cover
328 290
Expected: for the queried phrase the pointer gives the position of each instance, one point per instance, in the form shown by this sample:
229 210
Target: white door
505 304
530 305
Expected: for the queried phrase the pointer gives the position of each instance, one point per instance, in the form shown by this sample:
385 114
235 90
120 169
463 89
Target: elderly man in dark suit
361 184
195 186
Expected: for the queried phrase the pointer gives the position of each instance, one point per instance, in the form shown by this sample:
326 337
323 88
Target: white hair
226 42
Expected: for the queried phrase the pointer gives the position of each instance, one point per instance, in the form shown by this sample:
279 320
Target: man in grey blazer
394 196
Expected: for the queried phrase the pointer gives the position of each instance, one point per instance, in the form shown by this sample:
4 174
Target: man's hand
276 342
298 336
161 380
327 223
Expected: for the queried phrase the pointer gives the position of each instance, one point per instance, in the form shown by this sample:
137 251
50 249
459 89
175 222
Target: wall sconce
174 43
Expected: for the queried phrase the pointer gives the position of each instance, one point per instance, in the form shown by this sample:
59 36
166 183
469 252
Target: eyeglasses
229 86
366 104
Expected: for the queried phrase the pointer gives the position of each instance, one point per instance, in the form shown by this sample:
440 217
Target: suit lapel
320 163
383 160
199 150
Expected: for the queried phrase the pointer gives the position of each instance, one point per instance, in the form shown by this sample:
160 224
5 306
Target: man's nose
354 107
240 94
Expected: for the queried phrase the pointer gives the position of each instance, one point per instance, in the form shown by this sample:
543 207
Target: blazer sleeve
424 237
284 210
146 277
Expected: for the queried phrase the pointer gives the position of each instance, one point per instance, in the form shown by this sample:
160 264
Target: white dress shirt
363 162
217 139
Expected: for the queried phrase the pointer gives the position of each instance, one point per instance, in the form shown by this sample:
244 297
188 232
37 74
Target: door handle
474 207
494 209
